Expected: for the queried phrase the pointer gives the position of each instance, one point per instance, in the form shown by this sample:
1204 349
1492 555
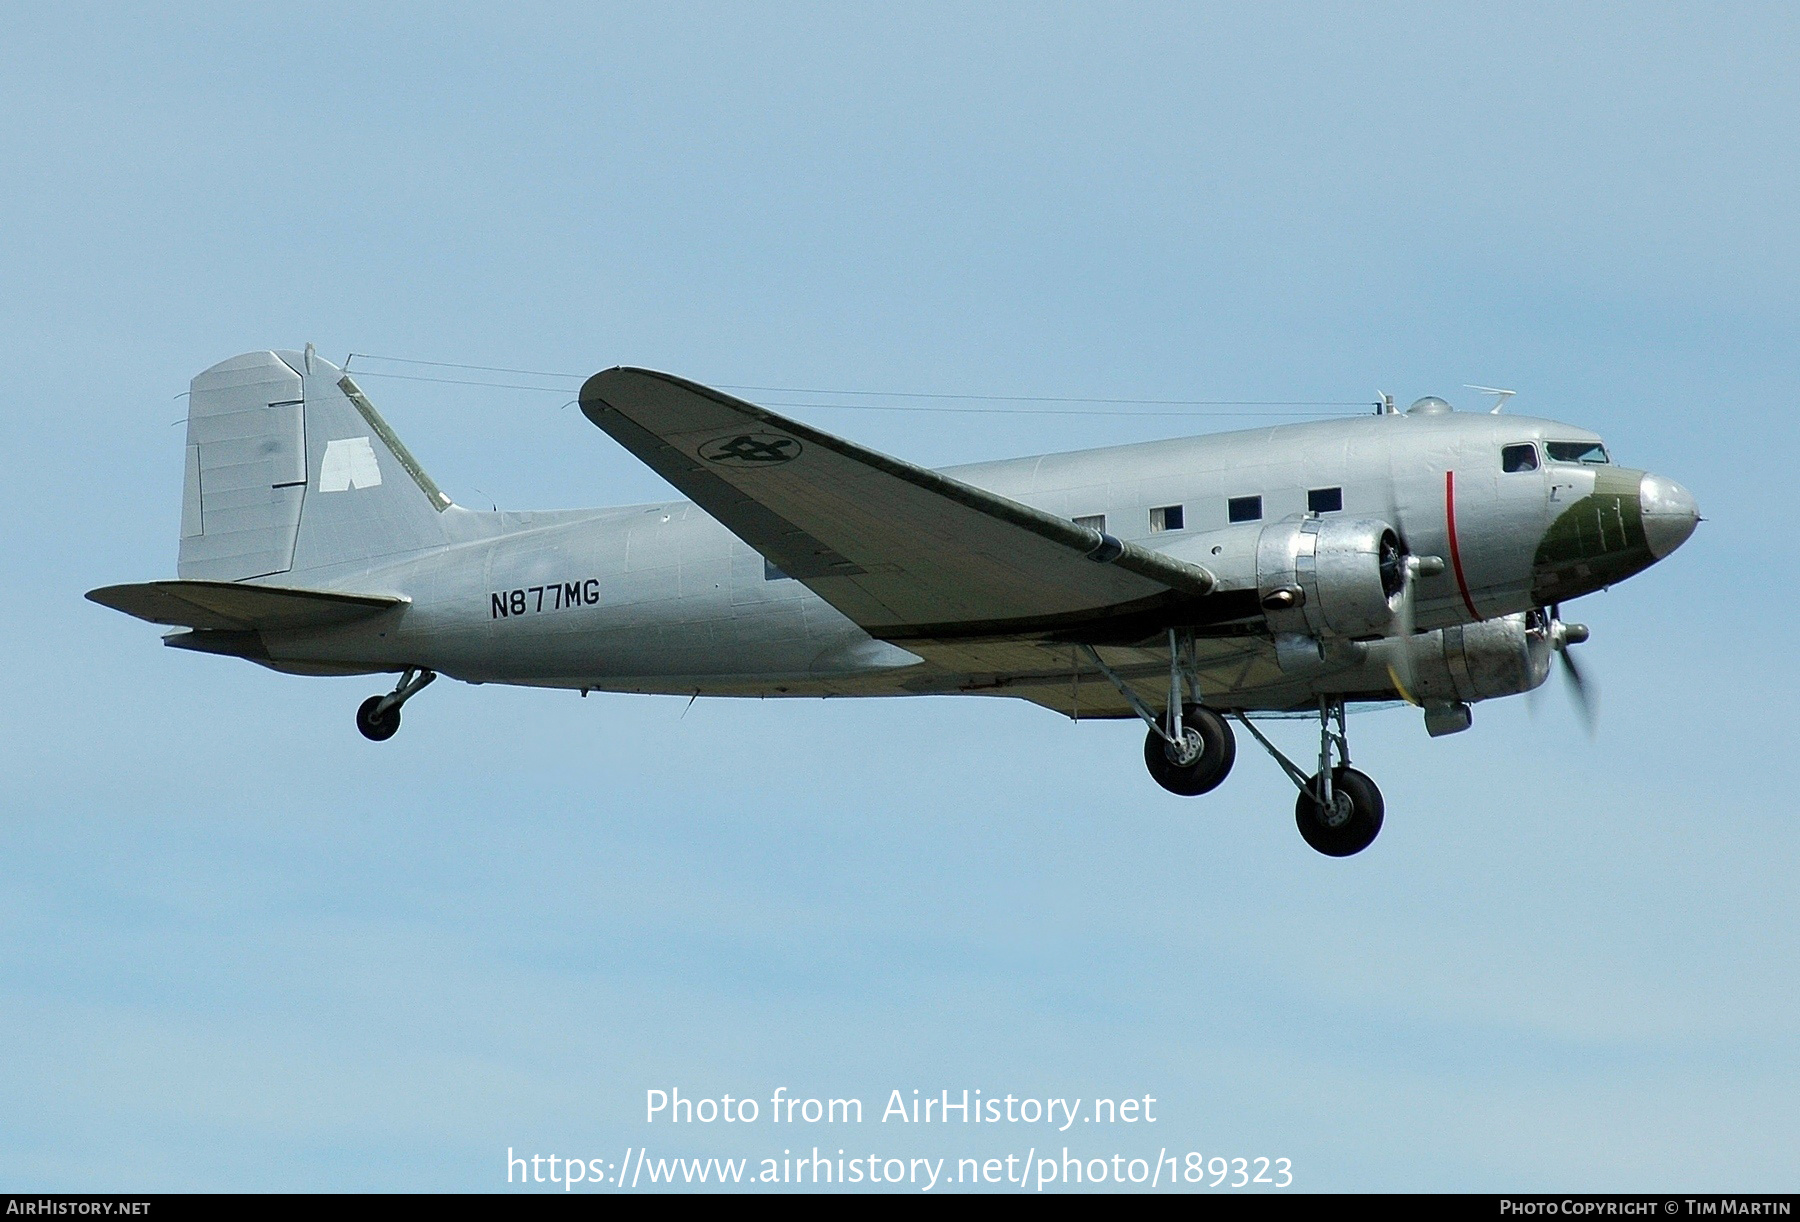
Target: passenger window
1168 517
1591 452
1093 521
1324 500
1244 509
1519 458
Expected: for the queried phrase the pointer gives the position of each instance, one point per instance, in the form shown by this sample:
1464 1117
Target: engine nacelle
1496 657
1330 577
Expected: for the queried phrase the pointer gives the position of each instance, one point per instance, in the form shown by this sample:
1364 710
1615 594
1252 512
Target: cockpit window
1577 451
1519 458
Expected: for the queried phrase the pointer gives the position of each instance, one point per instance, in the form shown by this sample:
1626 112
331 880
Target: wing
903 551
1058 676
230 605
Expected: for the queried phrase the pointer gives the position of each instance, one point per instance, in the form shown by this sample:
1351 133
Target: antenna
1500 401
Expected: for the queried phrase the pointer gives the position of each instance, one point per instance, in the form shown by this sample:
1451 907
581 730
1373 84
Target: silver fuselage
662 598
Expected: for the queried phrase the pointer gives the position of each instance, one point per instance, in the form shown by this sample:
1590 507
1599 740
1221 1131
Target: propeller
1582 691
1411 568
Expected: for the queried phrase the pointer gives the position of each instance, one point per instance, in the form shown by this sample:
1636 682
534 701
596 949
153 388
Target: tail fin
290 469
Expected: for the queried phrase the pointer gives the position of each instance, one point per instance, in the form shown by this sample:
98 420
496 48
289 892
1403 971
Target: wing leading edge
903 551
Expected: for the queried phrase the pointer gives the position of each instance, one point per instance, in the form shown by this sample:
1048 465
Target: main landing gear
379 716
1339 809
1190 750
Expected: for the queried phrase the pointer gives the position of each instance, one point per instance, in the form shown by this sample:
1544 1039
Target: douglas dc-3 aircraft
1420 556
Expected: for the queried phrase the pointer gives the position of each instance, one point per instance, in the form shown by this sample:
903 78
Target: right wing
905 552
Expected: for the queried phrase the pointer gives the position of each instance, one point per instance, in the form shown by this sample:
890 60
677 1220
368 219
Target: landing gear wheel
377 726
1208 749
1353 820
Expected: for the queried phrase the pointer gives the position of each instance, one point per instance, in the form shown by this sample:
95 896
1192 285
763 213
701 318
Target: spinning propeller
1582 691
1408 569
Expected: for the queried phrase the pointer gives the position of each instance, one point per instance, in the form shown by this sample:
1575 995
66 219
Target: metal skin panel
667 599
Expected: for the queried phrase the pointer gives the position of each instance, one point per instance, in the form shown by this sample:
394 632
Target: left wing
903 551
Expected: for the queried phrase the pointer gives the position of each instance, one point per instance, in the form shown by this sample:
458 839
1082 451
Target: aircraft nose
1669 514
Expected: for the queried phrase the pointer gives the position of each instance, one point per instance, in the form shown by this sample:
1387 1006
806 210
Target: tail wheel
1201 761
375 725
1352 820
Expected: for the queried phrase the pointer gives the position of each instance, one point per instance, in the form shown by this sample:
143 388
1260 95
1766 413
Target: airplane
1296 570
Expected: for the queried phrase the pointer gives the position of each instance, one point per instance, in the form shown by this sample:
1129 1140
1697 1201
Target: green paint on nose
1595 542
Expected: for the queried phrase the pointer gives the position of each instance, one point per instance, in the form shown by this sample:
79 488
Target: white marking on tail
349 463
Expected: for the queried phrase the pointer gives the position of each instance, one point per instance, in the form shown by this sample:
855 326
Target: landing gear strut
1339 809
1190 749
379 716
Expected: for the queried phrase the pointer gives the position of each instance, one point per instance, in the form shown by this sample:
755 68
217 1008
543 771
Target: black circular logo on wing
751 450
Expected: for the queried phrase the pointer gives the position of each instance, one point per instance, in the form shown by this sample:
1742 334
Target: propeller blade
1404 675
1583 692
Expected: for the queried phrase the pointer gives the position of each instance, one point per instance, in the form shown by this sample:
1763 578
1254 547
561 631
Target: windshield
1576 451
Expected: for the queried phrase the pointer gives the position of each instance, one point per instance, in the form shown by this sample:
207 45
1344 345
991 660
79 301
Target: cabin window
1324 500
1244 509
771 573
1519 458
1166 517
1093 521
1591 452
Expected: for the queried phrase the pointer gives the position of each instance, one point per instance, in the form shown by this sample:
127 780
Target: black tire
377 727
1359 825
1218 751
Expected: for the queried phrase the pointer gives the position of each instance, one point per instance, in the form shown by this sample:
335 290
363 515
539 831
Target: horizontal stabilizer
233 605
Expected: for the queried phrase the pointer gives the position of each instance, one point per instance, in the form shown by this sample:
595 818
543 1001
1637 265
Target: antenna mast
1499 401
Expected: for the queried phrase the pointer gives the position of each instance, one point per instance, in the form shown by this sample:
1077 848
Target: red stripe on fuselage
1455 552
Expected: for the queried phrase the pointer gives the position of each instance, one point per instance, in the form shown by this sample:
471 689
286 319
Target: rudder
245 469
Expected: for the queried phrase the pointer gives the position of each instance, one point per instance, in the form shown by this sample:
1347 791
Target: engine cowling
1496 657
1330 577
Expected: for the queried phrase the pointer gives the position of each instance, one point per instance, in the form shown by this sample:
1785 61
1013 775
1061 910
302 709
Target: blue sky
242 948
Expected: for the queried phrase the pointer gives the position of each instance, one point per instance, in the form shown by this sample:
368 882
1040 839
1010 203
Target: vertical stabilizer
291 469
368 498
